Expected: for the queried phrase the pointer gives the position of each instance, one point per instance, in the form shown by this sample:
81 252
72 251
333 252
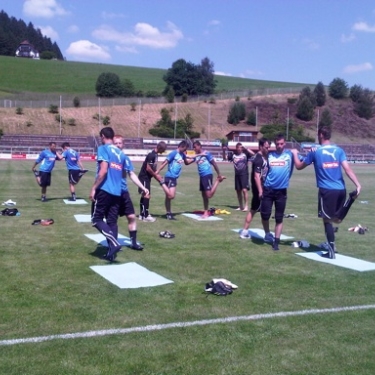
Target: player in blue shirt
205 160
174 160
126 204
329 160
280 169
106 191
47 160
74 167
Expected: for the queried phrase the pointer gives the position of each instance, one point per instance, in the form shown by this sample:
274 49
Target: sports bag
10 212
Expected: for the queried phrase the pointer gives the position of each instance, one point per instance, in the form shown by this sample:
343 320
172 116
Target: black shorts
255 202
45 178
241 182
105 206
74 176
205 183
126 205
146 182
170 181
330 202
270 197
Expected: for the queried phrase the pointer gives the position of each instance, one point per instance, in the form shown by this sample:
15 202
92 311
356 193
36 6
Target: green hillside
19 75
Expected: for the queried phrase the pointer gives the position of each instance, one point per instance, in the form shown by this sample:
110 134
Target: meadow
47 287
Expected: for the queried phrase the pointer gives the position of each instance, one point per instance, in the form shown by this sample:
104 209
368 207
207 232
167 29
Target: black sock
146 205
142 207
133 236
330 233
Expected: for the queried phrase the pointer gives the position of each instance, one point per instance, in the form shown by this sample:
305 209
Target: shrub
106 120
76 102
251 118
326 119
236 113
212 100
72 122
53 108
96 116
58 117
305 110
320 94
19 111
292 100
338 89
184 98
108 85
29 123
133 106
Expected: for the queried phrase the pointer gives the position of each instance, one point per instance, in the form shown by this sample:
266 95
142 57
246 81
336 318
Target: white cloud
109 16
363 26
223 74
214 23
310 44
43 8
143 35
49 32
83 49
126 49
73 29
347 38
358 68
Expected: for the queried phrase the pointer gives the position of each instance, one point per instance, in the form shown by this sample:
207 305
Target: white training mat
77 201
99 238
259 233
340 261
83 218
199 217
130 275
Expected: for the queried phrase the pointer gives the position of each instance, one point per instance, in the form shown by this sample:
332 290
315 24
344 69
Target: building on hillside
248 138
25 49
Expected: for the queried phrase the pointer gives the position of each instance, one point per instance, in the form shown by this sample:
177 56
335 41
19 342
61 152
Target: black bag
218 288
10 212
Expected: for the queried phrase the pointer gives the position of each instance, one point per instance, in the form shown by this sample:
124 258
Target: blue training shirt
204 164
129 168
71 159
47 160
116 165
327 161
175 161
280 169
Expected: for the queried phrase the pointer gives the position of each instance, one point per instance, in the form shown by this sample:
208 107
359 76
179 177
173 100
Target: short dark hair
325 132
65 144
279 136
183 144
238 144
262 141
197 143
52 143
108 132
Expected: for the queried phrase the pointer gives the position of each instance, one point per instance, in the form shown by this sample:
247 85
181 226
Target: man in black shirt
258 173
148 170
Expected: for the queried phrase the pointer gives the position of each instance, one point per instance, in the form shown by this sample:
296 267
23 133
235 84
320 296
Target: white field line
159 327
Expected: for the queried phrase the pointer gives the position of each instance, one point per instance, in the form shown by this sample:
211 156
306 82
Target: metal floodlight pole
139 117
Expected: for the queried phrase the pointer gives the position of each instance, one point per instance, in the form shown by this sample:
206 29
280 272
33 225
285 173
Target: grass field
76 78
47 288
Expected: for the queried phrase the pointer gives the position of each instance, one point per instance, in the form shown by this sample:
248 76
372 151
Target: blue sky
304 41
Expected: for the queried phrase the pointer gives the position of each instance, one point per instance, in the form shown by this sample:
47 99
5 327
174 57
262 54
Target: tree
325 119
338 89
47 55
307 93
188 78
169 95
355 93
364 106
305 109
108 85
236 113
319 94
251 118
127 88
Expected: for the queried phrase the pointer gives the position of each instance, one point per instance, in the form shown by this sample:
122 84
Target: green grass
47 287
76 78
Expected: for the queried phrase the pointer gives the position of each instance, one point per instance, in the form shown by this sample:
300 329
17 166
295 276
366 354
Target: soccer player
74 167
47 160
280 164
146 173
258 173
241 176
126 204
205 160
105 193
174 161
329 160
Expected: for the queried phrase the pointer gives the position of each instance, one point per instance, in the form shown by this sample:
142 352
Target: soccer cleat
72 199
269 237
331 252
136 247
149 219
275 246
244 234
44 199
170 217
112 251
